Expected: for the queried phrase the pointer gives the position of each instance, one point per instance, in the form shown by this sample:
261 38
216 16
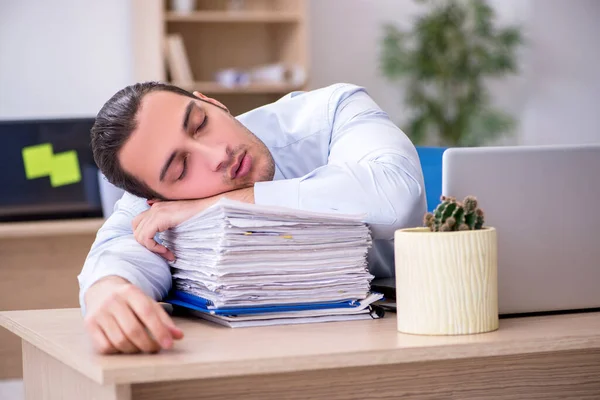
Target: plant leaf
485 125
417 128
509 37
443 62
395 59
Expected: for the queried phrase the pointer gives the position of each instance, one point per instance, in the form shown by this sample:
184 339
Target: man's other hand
120 318
163 215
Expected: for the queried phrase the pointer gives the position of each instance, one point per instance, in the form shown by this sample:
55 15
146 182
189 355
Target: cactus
451 215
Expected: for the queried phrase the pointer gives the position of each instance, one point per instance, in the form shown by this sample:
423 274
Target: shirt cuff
283 193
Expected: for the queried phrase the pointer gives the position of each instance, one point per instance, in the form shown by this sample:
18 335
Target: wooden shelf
234 16
189 49
255 88
12 230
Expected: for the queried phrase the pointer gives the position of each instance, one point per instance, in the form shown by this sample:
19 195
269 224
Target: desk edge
85 368
33 229
344 360
274 365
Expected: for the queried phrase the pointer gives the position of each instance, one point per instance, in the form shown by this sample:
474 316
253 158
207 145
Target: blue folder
187 300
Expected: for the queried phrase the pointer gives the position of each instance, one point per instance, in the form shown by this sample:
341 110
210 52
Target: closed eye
183 169
202 125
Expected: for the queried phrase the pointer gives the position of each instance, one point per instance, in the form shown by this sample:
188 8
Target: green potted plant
442 64
447 272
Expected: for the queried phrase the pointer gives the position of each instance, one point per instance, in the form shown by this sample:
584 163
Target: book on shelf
177 60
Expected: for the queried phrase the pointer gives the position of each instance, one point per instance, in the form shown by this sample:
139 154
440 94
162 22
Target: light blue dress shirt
335 150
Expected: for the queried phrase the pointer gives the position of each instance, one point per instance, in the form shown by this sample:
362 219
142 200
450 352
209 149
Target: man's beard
263 164
264 155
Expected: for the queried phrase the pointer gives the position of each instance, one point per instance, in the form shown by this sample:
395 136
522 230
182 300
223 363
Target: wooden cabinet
39 264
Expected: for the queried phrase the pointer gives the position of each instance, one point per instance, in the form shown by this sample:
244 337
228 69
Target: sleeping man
176 153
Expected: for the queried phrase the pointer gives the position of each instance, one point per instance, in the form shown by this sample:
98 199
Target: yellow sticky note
37 160
65 169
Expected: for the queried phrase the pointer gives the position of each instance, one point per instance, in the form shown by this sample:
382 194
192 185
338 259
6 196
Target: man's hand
161 216
121 318
164 215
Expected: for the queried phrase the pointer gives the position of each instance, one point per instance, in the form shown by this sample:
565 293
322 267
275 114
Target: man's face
189 149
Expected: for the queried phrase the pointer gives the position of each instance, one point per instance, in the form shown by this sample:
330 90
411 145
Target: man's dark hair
114 123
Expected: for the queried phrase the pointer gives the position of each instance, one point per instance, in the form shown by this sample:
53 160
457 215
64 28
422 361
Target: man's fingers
144 235
99 340
176 333
134 329
137 220
147 312
137 228
169 255
115 334
152 245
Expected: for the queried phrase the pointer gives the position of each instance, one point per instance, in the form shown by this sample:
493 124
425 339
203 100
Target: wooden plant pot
446 282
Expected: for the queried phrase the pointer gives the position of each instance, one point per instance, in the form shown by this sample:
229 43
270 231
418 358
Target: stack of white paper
236 255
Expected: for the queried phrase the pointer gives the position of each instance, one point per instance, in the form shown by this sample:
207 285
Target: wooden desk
39 264
555 357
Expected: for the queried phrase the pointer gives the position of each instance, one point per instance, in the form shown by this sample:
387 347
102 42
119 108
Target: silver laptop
545 204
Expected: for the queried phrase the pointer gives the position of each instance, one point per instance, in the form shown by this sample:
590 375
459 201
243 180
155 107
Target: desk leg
46 378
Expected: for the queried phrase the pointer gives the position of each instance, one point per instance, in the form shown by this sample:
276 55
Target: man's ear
210 100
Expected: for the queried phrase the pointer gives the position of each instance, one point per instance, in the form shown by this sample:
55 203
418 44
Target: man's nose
217 157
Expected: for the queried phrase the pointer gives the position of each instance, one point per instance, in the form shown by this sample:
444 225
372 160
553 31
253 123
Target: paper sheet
235 254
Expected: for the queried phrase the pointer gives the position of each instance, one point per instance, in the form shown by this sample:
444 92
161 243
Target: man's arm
373 168
115 252
119 284
126 244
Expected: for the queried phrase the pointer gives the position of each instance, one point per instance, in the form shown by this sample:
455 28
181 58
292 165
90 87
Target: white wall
555 96
66 57
357 31
564 73
62 58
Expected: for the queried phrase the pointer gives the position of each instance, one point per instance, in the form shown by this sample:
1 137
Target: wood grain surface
570 375
212 351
